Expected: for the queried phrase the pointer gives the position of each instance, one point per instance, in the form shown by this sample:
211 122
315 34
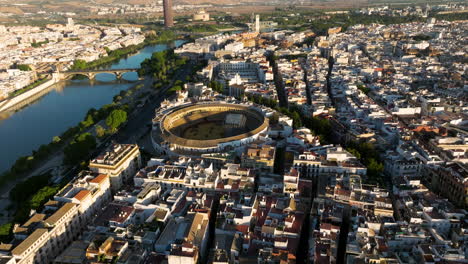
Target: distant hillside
190 2
14 10
221 2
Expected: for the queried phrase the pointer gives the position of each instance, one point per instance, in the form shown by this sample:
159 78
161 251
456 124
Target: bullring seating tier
192 113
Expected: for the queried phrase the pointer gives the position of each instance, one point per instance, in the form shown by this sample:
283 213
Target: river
64 106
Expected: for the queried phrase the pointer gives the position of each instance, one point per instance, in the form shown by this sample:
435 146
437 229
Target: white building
120 162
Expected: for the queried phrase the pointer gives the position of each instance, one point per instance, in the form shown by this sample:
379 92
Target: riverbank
24 132
16 210
34 163
33 89
130 132
27 95
50 157
119 54
112 57
29 87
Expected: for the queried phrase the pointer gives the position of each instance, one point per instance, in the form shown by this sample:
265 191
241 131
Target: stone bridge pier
118 75
91 75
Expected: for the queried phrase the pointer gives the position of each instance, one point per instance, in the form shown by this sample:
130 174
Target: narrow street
343 239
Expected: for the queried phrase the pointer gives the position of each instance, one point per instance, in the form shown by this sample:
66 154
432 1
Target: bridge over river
91 74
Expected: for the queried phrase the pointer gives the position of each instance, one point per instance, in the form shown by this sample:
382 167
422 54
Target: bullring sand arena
211 127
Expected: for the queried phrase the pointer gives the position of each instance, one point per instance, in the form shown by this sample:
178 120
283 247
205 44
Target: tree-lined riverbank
25 131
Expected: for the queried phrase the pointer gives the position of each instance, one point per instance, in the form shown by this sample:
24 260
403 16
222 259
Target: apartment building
120 162
259 157
47 234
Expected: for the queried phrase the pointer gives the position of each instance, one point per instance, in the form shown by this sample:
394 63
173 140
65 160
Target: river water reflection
64 106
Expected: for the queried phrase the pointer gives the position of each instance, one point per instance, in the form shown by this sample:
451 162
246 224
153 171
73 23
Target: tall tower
70 23
257 23
168 14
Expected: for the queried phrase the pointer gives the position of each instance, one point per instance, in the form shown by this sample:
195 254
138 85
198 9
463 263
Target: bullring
210 127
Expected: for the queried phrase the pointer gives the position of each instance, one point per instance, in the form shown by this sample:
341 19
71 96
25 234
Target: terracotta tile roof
114 212
242 228
99 179
81 195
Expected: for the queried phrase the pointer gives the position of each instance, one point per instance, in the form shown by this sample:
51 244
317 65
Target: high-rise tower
70 23
257 23
168 14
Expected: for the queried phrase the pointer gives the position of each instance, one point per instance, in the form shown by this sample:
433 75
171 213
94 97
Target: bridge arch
78 75
126 75
107 76
91 74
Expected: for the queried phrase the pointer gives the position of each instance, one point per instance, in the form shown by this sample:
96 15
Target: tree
216 86
79 65
79 148
174 89
274 118
104 111
422 37
23 67
5 232
100 131
88 121
71 132
355 153
160 64
374 169
117 98
296 117
42 151
22 164
42 196
23 190
363 88
116 118
56 139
